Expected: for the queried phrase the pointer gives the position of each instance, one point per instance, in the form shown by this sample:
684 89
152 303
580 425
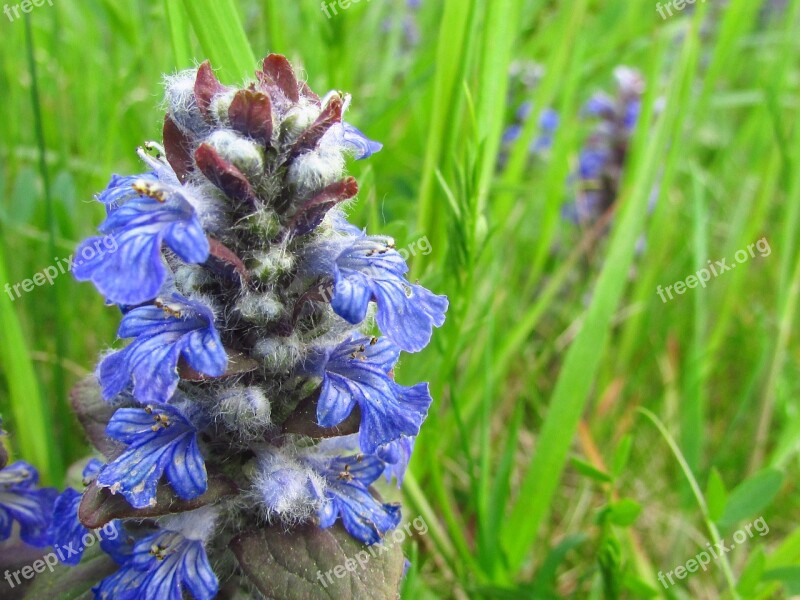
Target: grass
537 471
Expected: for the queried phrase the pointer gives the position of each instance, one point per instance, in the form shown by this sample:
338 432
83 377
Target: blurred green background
585 436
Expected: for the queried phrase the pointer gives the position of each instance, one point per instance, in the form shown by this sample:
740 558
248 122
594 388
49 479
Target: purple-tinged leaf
177 147
250 113
206 86
99 506
300 564
312 212
223 174
278 72
94 413
225 262
330 115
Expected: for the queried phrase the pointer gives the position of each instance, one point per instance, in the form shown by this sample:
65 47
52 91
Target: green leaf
309 562
716 495
72 583
752 573
789 576
624 512
24 197
622 455
546 575
751 497
639 587
588 470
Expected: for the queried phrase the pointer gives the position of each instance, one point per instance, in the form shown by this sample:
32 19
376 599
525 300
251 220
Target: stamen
150 189
169 310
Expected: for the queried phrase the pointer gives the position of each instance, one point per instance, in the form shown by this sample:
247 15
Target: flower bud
246 410
247 156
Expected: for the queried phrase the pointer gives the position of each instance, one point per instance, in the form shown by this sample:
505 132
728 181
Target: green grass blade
698 494
583 357
31 425
57 317
180 29
222 37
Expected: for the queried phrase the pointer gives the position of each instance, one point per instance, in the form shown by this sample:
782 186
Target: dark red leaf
177 147
224 261
311 213
223 174
250 113
308 93
206 86
278 72
330 115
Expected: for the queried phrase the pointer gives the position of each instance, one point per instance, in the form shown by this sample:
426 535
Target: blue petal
364 517
351 296
407 313
133 272
122 585
396 455
183 565
359 143
92 470
388 410
66 530
120 189
131 275
370 269
22 501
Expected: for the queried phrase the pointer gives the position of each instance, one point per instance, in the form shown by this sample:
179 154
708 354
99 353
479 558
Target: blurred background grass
537 472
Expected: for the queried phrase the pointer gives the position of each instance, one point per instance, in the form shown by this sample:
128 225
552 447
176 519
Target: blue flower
164 564
143 213
347 495
362 146
22 501
163 333
600 105
66 530
592 163
371 269
396 455
160 440
357 372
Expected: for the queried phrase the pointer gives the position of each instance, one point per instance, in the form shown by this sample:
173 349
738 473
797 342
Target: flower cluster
602 159
248 303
